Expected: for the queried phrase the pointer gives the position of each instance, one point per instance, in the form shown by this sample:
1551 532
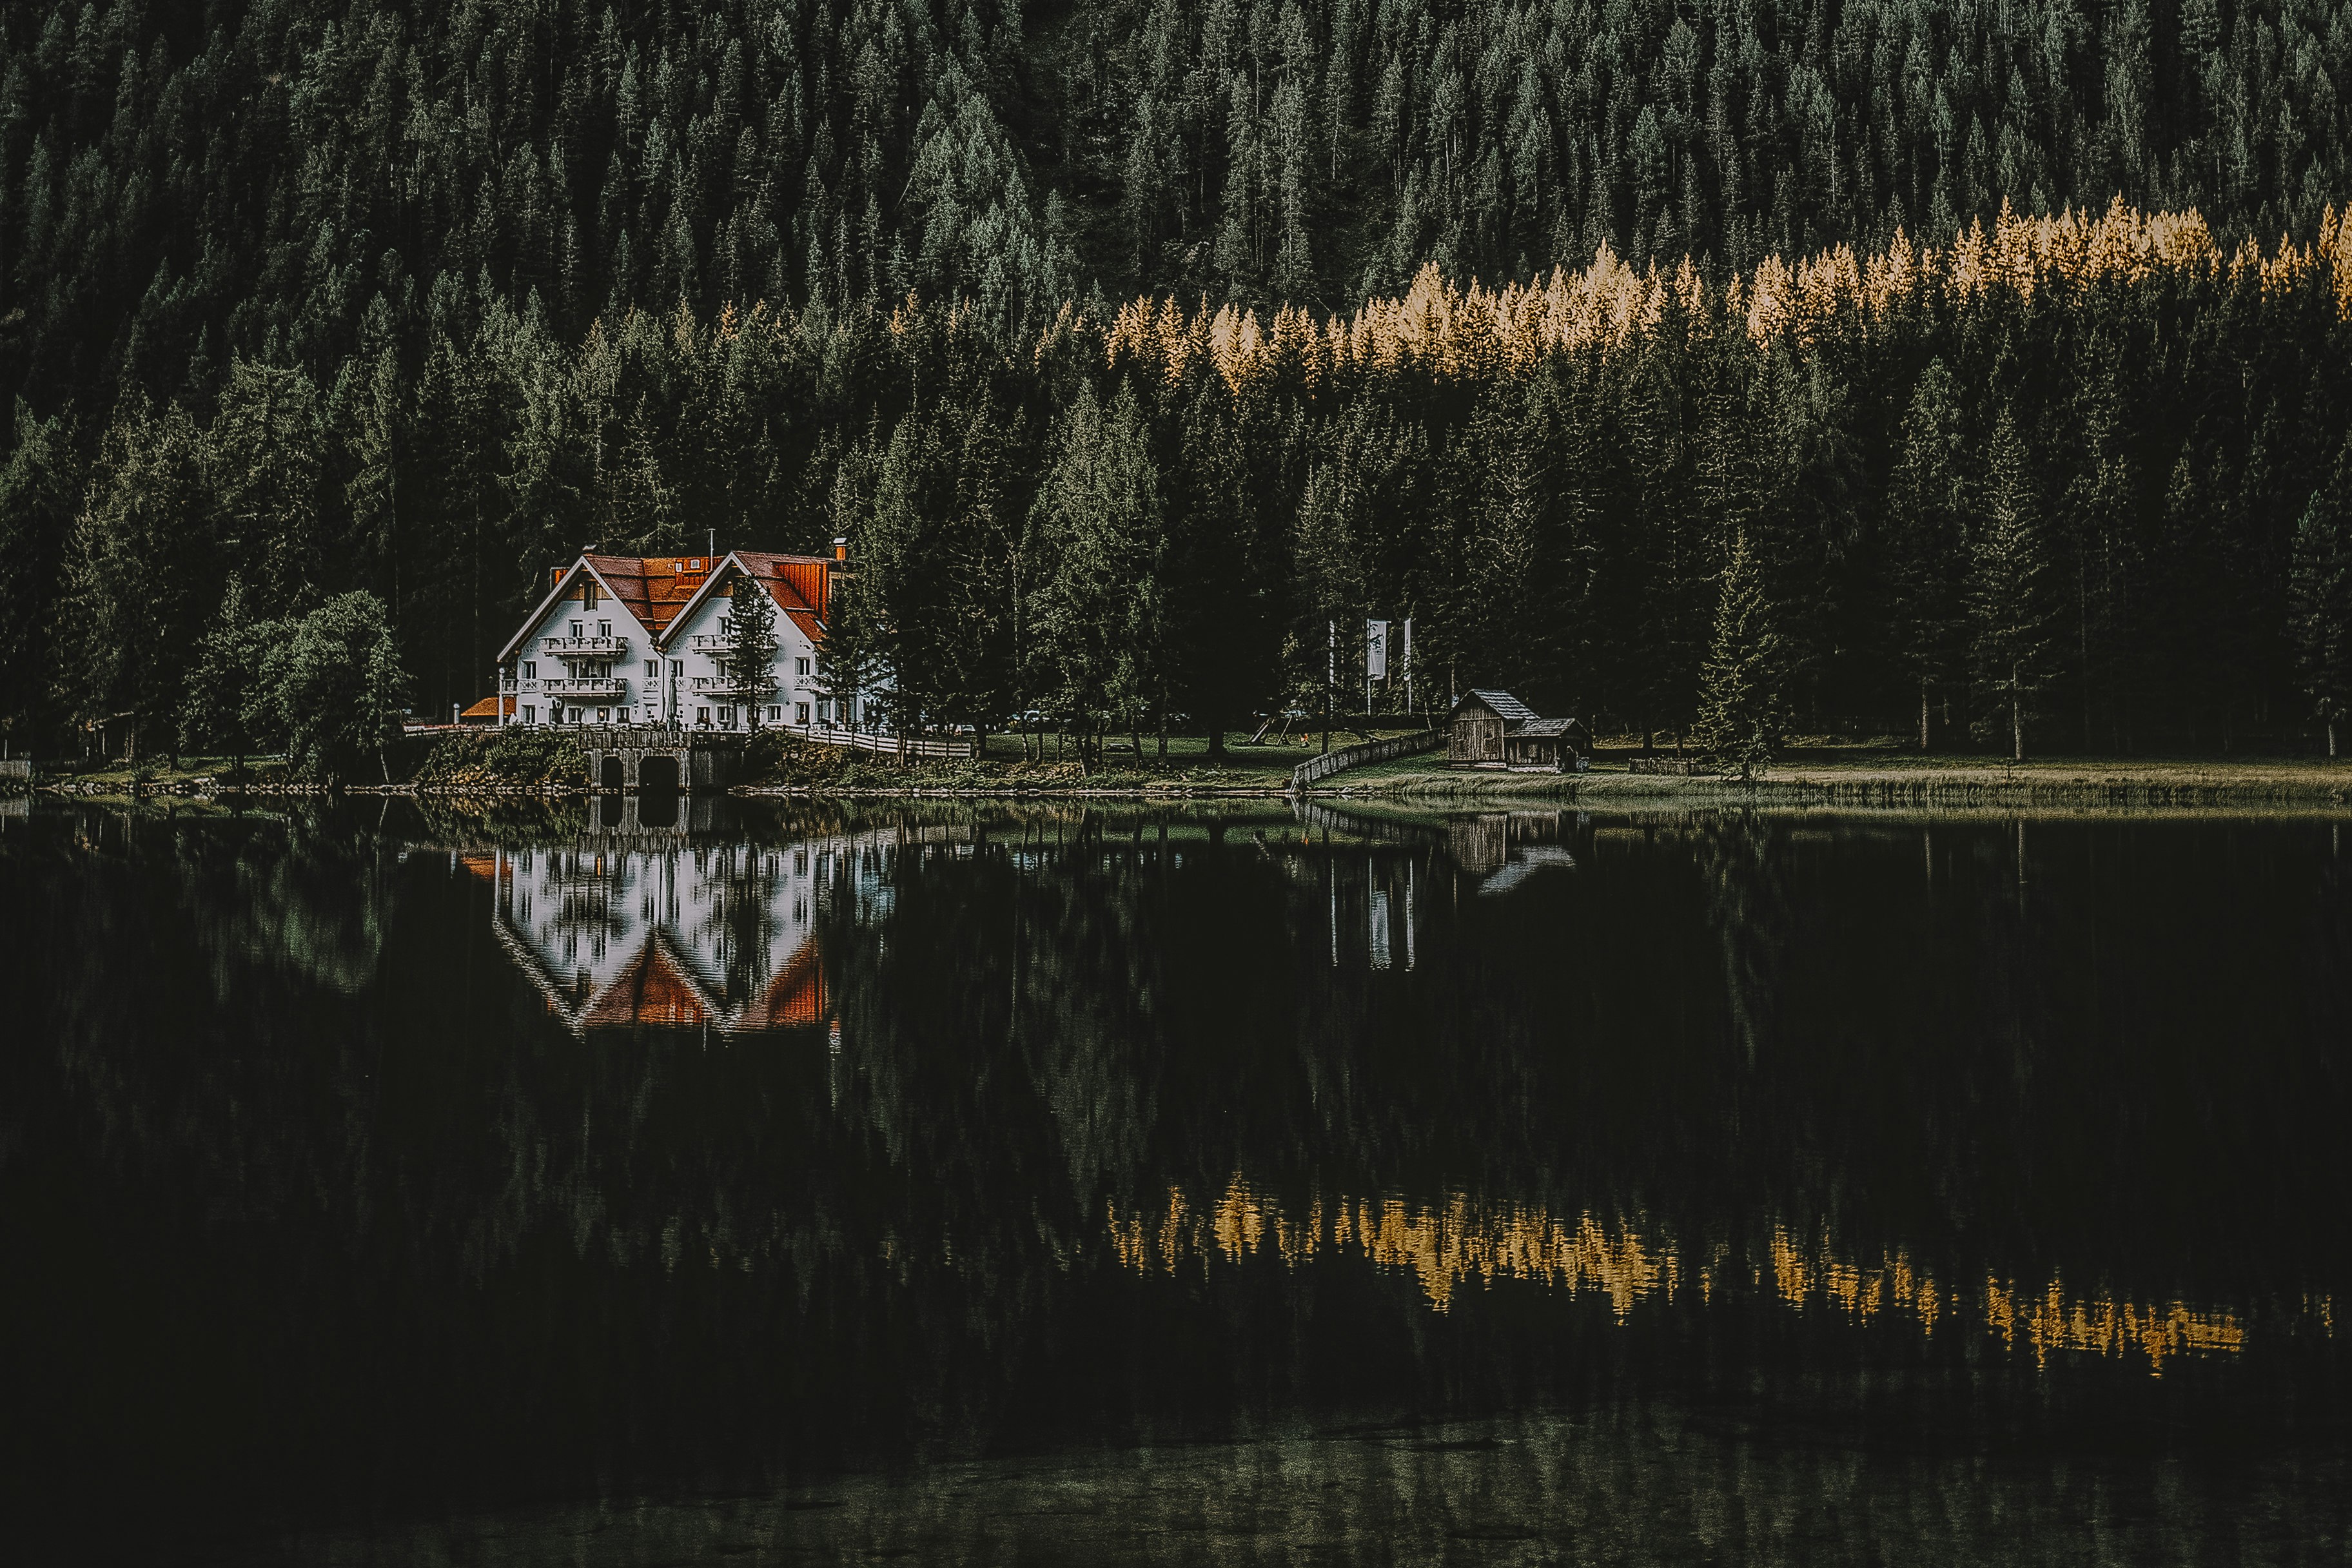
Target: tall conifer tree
1741 715
2319 599
2008 587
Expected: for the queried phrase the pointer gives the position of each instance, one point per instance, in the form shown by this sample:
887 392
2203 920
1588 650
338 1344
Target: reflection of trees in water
1043 1019
2329 943
1056 1007
1748 908
521 820
1087 987
740 929
1459 1245
304 895
1032 957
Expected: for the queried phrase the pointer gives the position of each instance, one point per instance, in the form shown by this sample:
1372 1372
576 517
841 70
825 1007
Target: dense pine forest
1979 373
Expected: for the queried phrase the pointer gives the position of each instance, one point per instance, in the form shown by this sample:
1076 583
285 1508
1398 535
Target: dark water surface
672 1185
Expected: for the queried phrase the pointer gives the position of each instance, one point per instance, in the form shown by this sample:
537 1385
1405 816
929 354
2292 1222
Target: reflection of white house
676 934
647 639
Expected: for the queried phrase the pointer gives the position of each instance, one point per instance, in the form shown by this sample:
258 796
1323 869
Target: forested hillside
330 295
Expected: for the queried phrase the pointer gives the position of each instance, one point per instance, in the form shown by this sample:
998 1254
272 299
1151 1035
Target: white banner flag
1376 651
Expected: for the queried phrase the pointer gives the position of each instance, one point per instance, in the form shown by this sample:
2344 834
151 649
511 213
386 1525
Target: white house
646 640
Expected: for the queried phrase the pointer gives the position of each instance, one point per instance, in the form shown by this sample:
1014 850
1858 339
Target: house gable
788 580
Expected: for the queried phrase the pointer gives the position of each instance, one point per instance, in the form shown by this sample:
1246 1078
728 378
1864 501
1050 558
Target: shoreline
1872 784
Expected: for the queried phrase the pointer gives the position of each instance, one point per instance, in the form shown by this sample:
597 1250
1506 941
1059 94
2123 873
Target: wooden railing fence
1319 768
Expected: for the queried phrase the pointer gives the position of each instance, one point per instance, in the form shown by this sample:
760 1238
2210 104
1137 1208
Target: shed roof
490 708
1545 727
1505 705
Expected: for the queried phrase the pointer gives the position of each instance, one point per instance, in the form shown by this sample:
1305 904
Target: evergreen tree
2008 587
854 653
1227 512
330 686
752 645
221 698
1095 610
2319 603
1926 508
262 462
140 576
40 487
974 653
1741 716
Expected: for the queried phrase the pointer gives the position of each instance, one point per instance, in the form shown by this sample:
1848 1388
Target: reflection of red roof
794 999
652 990
488 708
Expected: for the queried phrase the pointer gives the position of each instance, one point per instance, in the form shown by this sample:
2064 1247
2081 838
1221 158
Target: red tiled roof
654 587
488 708
796 582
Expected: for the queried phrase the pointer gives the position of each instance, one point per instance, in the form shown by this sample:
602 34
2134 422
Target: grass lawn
150 772
1863 773
1188 755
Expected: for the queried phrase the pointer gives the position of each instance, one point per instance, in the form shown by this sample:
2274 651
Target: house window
575 715
702 716
575 631
726 625
603 715
825 711
530 712
653 668
775 715
800 711
800 666
727 716
678 667
587 596
531 670
603 628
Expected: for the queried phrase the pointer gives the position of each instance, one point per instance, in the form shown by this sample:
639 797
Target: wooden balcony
729 686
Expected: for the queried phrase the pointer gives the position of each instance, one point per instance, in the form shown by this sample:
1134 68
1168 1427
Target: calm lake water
660 1185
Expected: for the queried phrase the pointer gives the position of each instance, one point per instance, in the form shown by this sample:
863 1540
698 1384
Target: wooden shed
1474 731
1545 745
1492 728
